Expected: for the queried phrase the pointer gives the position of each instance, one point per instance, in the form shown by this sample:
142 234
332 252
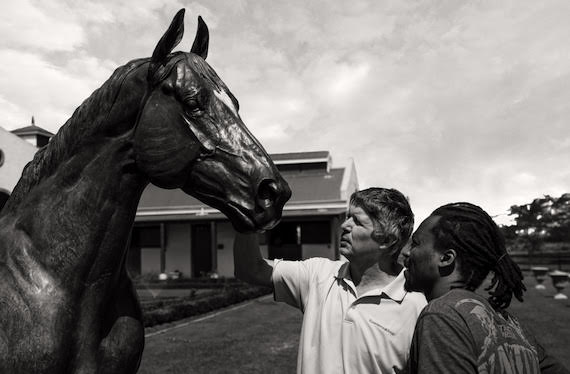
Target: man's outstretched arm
249 265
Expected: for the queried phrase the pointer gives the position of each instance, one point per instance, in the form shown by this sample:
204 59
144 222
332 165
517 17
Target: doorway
4 196
201 250
285 241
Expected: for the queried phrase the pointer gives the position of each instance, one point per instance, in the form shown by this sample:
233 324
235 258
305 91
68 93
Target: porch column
214 245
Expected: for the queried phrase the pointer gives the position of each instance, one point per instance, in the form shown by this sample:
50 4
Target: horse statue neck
76 201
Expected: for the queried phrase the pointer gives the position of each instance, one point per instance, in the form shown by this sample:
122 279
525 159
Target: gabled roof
309 187
300 156
315 191
32 130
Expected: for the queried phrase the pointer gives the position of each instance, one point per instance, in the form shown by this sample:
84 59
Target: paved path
258 336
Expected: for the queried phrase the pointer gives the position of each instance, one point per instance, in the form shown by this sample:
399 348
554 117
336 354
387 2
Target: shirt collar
394 290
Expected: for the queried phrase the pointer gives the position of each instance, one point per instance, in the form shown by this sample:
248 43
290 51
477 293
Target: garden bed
164 310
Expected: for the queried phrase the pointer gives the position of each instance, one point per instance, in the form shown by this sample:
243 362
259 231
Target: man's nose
406 251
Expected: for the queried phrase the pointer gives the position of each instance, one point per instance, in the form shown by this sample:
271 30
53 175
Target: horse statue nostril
267 192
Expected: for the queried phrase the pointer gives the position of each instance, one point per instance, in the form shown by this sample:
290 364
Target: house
175 232
15 152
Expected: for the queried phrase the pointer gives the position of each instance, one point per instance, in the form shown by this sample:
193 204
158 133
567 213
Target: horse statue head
189 135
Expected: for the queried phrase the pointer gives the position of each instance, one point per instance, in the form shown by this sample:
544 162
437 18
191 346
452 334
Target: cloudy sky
444 100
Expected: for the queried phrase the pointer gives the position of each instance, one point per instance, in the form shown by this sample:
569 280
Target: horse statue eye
192 103
205 153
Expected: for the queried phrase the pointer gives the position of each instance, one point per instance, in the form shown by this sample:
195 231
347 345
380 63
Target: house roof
299 156
316 191
32 130
307 187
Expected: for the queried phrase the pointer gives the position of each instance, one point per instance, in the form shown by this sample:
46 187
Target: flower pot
539 273
560 280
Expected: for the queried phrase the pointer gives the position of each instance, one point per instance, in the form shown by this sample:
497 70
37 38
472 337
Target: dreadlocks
481 248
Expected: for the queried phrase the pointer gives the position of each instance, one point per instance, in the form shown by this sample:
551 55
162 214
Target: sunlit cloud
445 100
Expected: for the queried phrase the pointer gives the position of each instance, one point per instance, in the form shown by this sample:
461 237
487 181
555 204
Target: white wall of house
16 154
150 260
317 250
225 238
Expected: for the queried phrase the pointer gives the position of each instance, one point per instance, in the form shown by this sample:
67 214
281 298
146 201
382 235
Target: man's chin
409 284
408 287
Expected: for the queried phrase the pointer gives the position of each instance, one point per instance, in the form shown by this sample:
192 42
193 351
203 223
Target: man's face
422 259
356 240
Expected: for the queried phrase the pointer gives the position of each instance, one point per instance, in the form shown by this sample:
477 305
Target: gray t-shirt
460 332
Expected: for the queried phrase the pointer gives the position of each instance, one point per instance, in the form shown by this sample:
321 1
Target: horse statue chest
34 310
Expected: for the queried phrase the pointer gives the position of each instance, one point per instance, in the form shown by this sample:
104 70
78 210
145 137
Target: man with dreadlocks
450 256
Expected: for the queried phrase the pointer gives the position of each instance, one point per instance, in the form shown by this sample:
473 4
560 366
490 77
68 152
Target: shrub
172 310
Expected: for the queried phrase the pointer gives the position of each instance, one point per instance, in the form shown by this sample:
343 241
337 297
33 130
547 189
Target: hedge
190 283
173 310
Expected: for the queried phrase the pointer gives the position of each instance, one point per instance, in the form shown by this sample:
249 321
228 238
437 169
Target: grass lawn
262 336
549 319
255 337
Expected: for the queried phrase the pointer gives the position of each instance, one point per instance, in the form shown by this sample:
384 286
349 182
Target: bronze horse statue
67 304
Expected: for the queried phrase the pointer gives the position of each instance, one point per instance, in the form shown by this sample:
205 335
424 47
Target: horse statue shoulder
67 304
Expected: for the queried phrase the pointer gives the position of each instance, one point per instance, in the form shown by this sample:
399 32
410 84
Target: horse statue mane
67 304
68 138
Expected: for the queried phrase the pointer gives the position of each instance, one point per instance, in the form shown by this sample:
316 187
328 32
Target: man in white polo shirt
357 316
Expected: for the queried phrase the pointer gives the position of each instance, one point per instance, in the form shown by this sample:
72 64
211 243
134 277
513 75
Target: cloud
445 100
25 24
48 92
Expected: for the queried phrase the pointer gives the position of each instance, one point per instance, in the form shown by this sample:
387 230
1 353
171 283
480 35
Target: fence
551 260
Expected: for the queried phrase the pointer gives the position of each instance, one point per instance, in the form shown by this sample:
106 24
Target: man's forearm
249 265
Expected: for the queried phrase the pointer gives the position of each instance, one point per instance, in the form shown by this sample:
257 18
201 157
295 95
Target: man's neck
445 285
374 276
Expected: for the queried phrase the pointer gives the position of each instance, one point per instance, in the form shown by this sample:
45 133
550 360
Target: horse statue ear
166 44
200 45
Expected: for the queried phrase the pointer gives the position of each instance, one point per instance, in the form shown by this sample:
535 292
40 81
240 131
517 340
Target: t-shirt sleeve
291 282
442 344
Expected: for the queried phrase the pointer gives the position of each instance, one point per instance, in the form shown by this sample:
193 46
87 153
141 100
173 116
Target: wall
318 250
225 240
17 153
226 235
150 260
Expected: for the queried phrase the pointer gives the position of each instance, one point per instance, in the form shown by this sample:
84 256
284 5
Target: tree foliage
545 219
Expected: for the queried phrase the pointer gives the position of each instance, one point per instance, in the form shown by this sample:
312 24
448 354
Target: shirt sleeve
291 282
442 344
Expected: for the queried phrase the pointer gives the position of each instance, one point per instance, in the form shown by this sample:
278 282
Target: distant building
17 148
33 134
174 231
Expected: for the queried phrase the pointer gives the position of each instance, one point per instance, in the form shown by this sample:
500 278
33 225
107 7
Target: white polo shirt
343 332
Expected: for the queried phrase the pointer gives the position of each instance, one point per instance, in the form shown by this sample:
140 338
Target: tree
544 219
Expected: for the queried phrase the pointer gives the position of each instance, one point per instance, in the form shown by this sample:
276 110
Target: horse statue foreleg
121 349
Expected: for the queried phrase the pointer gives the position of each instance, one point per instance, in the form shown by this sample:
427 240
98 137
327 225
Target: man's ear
388 242
447 258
